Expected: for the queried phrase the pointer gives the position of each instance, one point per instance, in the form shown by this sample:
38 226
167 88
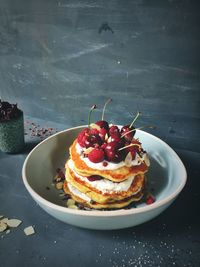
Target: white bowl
167 175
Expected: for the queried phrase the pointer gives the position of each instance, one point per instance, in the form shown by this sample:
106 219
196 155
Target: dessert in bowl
102 186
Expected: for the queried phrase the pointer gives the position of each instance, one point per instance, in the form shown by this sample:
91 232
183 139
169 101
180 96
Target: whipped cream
104 185
110 165
77 193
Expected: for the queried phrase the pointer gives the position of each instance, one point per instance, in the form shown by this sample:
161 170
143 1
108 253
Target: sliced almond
106 137
146 160
95 126
128 160
3 226
88 150
29 230
59 185
4 220
57 178
1 216
70 202
8 231
13 222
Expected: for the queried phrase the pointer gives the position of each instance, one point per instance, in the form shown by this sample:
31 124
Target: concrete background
57 58
56 61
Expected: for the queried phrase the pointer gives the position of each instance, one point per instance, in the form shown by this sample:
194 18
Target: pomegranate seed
105 163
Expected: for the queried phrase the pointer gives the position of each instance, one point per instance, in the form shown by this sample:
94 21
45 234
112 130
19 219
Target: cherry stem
108 101
145 126
137 115
89 115
128 146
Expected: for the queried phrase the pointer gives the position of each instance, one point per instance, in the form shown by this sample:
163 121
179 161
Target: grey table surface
57 58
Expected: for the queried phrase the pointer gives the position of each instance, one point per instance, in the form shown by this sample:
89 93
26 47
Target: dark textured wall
56 60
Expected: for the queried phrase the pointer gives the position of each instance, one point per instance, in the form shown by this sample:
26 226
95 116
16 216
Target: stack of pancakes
103 188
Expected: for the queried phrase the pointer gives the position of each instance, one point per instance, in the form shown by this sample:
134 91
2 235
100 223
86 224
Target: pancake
110 205
106 168
103 191
116 175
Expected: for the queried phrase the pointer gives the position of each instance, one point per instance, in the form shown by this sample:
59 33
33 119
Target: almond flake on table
59 185
70 202
29 230
4 220
13 222
3 226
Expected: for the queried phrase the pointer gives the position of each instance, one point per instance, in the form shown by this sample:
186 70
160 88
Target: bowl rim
104 213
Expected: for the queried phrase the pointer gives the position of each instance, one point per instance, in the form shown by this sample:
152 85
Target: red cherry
94 131
112 145
114 130
91 140
115 138
113 156
133 149
102 133
103 124
86 142
103 145
112 153
83 133
95 139
124 131
96 155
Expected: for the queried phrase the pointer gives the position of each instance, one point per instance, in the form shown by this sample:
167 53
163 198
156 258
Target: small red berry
96 155
105 163
150 200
